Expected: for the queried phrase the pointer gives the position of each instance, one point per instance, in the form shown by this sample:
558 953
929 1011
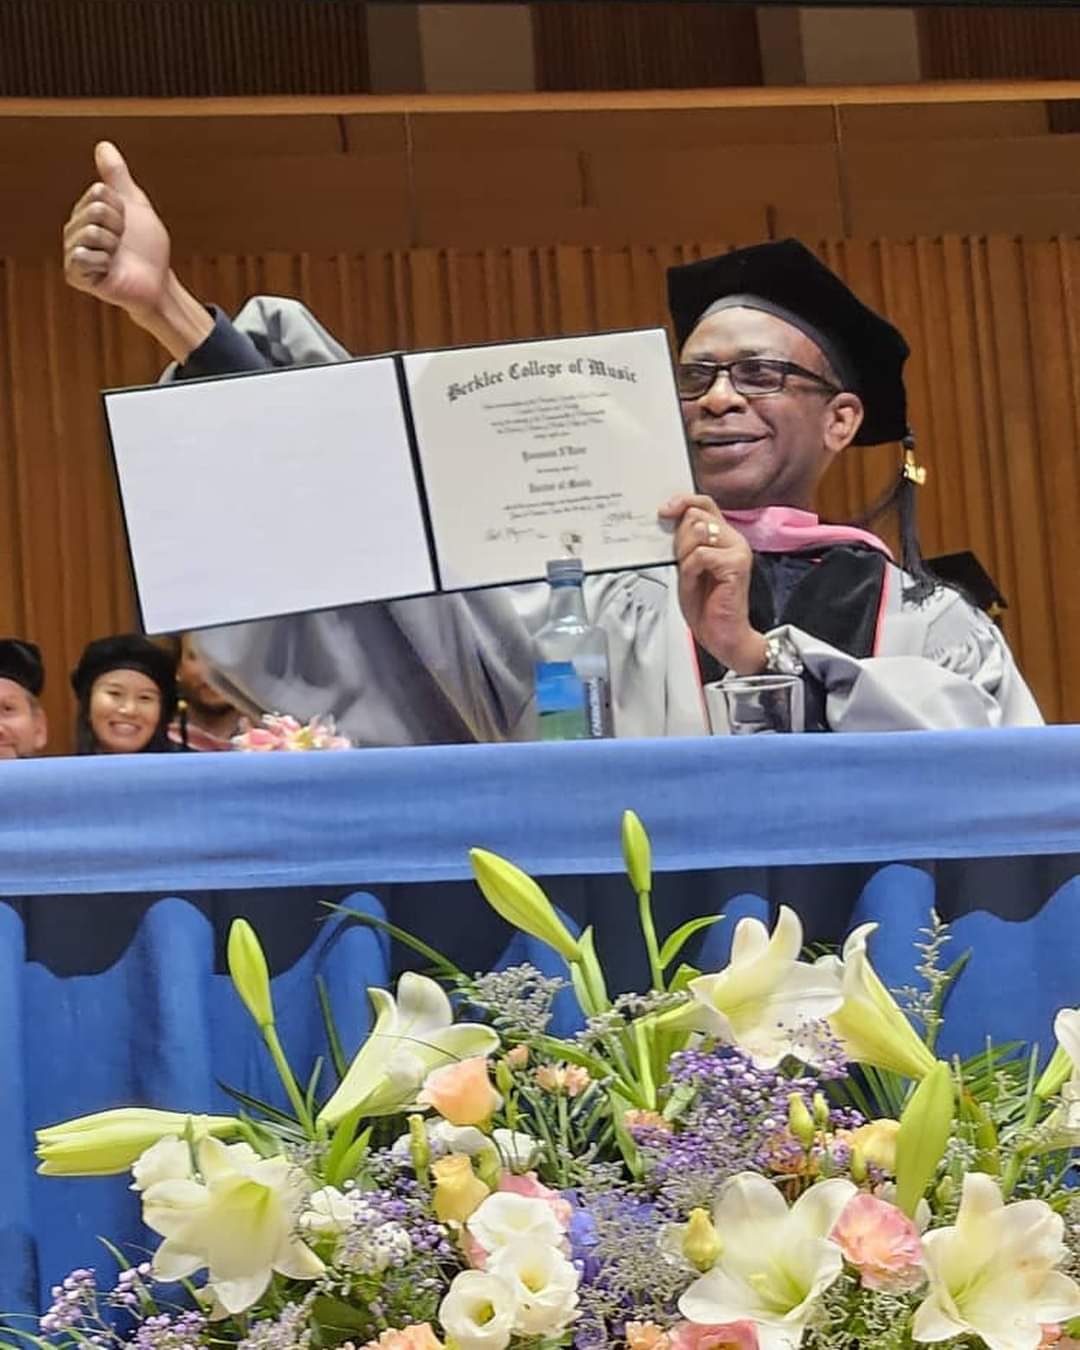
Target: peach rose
646 1120
518 1057
569 1078
419 1337
461 1093
646 1336
533 1189
882 1242
701 1336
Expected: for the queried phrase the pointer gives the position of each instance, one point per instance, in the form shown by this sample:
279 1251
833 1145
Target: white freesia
478 1311
167 1160
993 1273
870 1024
544 1285
239 1222
504 1218
328 1213
442 1138
775 1263
519 1152
765 997
412 1035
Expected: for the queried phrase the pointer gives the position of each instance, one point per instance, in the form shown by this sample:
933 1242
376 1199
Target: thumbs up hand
115 246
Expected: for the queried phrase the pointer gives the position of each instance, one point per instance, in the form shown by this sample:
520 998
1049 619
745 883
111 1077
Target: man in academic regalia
23 729
781 369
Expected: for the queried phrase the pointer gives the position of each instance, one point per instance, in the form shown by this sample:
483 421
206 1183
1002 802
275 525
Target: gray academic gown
456 668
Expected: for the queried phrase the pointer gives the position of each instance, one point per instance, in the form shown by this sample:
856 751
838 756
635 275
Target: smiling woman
126 688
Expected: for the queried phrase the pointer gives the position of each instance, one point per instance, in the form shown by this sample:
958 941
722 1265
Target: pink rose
529 1186
259 738
882 1242
702 1336
461 1093
419 1337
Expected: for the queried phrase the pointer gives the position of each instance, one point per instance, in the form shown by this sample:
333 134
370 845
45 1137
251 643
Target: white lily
993 1273
775 1263
765 997
544 1286
1061 1129
239 1222
869 1023
412 1035
167 1160
518 1152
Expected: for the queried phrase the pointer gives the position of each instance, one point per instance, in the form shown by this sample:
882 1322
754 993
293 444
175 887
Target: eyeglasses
751 376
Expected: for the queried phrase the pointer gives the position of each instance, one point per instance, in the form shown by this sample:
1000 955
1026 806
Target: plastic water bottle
573 673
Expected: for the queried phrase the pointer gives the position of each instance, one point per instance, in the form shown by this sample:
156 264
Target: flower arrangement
763 1157
279 732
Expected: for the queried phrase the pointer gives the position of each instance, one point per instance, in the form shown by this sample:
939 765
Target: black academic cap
128 651
785 274
967 574
21 662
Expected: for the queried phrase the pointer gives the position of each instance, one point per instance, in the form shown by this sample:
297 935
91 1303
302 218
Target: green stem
292 1088
1019 1157
648 928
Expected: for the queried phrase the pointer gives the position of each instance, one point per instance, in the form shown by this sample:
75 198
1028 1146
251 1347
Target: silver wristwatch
781 656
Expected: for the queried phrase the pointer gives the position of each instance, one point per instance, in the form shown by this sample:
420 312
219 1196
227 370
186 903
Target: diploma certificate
314 487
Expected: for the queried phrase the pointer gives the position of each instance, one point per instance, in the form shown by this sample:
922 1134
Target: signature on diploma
512 534
626 527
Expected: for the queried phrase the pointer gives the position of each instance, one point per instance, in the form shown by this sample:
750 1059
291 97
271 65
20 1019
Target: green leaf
263 1108
680 981
593 974
677 940
313 1083
630 1151
343 1139
333 1040
354 1156
445 967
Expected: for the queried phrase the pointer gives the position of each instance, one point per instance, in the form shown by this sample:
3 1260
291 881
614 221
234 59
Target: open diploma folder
312 487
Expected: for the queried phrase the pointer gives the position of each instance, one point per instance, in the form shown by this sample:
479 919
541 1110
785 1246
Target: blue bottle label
569 708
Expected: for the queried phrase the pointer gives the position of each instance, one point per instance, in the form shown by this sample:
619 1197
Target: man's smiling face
767 450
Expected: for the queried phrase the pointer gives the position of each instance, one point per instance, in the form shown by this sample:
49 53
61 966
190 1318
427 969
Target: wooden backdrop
994 383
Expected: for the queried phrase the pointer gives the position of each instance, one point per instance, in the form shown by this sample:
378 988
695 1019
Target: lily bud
111 1141
857 1165
504 1078
637 853
925 1126
489 1166
419 1147
701 1243
800 1121
821 1110
513 894
944 1191
250 976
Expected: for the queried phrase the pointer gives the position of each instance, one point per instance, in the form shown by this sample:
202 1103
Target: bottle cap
565 570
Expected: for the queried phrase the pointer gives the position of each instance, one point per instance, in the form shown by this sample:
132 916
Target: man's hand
714 583
117 249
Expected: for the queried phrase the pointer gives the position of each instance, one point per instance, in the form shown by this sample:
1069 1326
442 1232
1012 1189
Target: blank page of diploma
538 450
253 496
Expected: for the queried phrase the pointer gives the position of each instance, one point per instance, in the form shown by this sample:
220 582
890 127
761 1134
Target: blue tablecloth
119 878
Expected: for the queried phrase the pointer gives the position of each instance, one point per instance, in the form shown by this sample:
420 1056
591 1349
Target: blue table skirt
122 876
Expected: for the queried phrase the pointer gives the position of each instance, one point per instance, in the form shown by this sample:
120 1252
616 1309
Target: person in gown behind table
781 369
126 689
205 719
24 731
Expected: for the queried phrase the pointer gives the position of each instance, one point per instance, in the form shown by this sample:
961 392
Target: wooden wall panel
994 384
170 48
624 44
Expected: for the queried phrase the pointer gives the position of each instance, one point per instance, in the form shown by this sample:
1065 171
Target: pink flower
1051 1334
462 1092
529 1186
569 1078
700 1336
646 1336
518 1057
475 1253
420 1337
882 1242
258 738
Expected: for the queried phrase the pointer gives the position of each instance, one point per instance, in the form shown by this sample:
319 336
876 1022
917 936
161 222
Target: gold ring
713 531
